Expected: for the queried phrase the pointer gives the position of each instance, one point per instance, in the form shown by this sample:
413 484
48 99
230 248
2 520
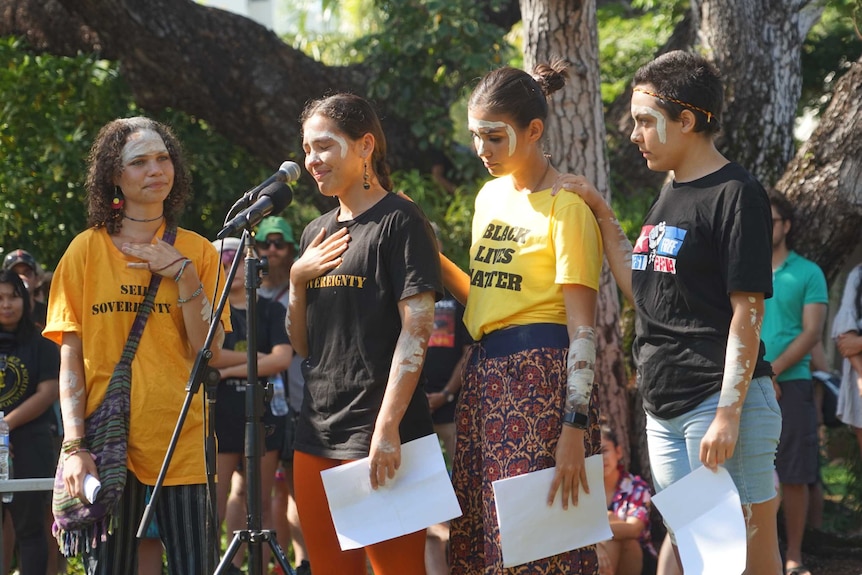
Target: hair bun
551 77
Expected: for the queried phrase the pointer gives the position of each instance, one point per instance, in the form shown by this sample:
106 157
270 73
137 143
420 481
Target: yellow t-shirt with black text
525 247
96 295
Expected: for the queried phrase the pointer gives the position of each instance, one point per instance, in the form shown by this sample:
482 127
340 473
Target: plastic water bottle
4 455
278 405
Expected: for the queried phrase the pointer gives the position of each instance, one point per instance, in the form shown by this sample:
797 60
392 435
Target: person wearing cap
24 264
274 354
274 239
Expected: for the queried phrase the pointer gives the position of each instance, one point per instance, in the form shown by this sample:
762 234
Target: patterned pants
509 420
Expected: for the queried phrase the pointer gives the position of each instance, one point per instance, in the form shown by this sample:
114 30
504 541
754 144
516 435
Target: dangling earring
365 183
117 202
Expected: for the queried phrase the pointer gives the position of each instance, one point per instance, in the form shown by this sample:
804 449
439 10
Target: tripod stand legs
253 538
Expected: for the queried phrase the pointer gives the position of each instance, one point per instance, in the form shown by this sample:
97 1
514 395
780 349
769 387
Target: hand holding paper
531 530
418 496
704 511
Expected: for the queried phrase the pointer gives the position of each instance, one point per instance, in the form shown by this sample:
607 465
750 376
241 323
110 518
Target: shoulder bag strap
146 307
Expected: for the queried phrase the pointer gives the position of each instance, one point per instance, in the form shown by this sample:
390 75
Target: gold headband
707 113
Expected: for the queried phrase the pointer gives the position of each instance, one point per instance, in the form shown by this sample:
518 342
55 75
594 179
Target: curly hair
515 93
354 117
104 165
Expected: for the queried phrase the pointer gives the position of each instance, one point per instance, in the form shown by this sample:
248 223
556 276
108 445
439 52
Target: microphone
288 173
272 199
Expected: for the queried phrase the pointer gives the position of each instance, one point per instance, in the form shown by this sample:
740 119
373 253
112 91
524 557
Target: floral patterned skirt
508 423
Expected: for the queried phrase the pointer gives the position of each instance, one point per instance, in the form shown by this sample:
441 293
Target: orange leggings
399 556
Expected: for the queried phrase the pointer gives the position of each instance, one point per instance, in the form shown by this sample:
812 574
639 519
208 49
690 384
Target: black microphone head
279 194
289 172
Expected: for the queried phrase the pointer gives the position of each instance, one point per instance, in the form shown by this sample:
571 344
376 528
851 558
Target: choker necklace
157 218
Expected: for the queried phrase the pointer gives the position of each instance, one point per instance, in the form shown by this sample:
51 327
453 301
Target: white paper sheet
420 495
530 530
704 511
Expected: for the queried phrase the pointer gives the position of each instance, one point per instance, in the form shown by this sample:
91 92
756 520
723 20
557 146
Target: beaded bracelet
75 452
179 274
72 445
179 259
199 291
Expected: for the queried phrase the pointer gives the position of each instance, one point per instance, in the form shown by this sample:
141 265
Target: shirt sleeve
847 318
746 241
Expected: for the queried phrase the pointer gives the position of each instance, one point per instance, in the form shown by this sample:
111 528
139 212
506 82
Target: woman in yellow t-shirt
137 184
527 401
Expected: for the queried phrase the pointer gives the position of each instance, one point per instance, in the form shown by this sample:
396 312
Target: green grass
842 483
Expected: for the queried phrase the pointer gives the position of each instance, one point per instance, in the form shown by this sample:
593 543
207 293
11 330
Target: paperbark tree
824 180
757 45
575 136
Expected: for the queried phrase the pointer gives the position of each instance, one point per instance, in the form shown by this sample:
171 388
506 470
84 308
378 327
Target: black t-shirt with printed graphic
23 365
445 349
700 241
354 324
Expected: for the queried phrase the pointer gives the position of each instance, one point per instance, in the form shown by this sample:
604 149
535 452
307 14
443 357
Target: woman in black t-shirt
29 371
362 316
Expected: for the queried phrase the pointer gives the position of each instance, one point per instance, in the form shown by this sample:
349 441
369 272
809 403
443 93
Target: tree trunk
756 45
211 64
824 180
575 134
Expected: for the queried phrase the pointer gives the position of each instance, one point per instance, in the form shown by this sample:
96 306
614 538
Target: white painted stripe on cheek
660 121
475 125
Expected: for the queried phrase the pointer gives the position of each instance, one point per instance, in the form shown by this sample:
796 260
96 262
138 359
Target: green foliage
426 51
629 38
453 213
832 45
52 109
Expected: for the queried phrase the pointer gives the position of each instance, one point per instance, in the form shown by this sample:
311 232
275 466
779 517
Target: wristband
177 277
576 420
72 445
199 291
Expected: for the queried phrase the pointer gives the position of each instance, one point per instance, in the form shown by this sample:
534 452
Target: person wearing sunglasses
274 239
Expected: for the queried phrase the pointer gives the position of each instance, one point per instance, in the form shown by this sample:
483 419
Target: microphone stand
254 444
200 372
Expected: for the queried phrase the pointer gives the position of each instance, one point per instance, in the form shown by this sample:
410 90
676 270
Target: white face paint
734 373
140 144
479 126
325 135
660 121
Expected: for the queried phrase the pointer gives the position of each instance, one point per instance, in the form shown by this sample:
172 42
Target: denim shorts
674 444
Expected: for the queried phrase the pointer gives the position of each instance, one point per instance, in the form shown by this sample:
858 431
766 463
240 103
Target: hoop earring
365 183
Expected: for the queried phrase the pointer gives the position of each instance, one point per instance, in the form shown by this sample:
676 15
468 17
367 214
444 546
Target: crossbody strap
146 307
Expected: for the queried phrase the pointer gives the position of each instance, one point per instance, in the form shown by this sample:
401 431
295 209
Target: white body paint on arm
735 369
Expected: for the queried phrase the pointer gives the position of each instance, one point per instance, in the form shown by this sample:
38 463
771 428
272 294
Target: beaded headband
707 113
